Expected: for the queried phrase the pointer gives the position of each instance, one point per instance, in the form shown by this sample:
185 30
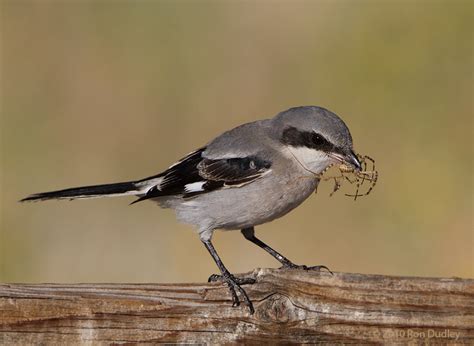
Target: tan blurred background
96 92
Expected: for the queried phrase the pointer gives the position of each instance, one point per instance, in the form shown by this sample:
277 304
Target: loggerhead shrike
247 176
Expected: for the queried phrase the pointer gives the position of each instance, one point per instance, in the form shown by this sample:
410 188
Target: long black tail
95 191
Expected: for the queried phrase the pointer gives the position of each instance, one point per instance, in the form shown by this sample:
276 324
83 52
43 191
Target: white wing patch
194 187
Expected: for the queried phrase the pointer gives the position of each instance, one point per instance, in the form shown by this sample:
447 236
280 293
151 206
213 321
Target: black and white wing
195 174
229 172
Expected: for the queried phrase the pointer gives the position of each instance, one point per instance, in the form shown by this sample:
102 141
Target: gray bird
245 177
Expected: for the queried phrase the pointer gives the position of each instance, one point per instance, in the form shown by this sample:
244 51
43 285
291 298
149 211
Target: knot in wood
277 308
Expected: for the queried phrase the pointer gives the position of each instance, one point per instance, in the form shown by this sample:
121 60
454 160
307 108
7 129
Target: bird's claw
239 281
234 286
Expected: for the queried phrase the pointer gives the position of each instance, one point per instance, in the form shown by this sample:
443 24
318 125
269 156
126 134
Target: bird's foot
234 287
291 265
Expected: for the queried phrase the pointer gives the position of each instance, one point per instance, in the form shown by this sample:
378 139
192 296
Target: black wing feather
176 177
232 170
214 174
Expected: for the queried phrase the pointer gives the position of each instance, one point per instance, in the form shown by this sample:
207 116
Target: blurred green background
96 92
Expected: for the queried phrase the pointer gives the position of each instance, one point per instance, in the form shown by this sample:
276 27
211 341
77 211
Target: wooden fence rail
291 306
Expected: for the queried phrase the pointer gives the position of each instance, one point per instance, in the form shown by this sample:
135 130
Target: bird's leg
249 234
228 278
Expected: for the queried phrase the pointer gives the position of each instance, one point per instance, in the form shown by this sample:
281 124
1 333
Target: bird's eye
318 140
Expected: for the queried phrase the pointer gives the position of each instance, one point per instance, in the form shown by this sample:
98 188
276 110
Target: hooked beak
353 160
350 158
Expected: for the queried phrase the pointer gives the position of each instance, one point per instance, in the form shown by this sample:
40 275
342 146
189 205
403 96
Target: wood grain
292 306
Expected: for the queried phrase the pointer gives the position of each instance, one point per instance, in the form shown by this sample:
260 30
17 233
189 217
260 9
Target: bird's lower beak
349 158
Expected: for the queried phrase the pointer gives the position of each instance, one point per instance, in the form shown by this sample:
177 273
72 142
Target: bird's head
316 137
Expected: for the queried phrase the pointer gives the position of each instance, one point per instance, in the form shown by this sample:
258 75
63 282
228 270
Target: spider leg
351 181
337 186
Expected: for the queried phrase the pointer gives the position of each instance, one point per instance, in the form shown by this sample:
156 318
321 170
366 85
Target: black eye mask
310 139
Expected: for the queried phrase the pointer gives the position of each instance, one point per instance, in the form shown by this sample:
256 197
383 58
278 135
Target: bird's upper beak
350 158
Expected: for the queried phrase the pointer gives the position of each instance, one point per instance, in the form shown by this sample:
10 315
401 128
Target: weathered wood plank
291 307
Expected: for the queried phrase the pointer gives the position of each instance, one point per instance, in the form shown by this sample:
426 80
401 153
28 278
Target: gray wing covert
245 140
236 157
